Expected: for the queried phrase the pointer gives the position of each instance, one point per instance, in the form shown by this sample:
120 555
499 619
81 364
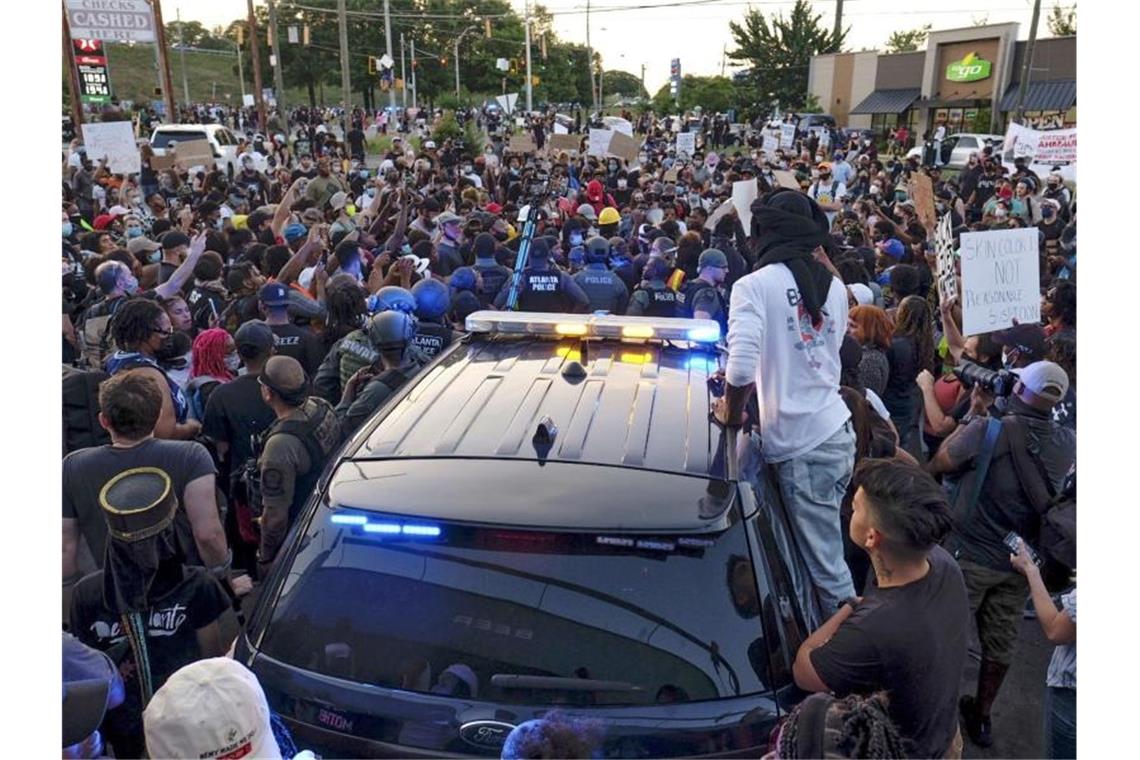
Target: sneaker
979 729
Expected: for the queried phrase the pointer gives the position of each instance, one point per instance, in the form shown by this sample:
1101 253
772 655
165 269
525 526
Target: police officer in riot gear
544 287
703 297
433 302
393 334
605 289
653 298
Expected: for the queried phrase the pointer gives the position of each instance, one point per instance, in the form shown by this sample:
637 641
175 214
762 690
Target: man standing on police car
785 326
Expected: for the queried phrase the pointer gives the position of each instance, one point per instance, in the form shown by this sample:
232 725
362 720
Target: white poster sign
686 144
771 145
247 100
118 20
787 135
1000 279
1056 146
559 129
599 144
743 193
115 141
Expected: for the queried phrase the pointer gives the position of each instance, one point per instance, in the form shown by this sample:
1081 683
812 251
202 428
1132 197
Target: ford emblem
485 734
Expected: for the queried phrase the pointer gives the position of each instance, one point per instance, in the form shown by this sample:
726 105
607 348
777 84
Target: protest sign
1056 146
1000 279
195 153
115 141
922 193
560 129
599 143
162 163
565 142
944 257
686 144
522 144
743 193
724 208
771 144
786 179
787 135
247 100
670 176
624 147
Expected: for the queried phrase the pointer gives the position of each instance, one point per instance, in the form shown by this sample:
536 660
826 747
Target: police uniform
494 276
703 295
606 290
546 289
431 338
655 299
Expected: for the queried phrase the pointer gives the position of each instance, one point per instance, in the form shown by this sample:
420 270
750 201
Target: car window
967 142
164 137
659 617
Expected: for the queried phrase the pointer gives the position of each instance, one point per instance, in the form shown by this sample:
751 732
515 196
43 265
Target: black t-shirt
301 344
910 641
205 304
901 392
355 139
234 414
193 602
984 190
86 471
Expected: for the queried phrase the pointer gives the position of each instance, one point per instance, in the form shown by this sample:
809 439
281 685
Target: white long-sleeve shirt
796 368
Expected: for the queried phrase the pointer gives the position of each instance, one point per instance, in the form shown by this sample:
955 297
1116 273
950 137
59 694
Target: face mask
575 240
68 228
154 257
131 285
621 183
874 190
167 350
364 174
219 224
134 232
1000 213
233 362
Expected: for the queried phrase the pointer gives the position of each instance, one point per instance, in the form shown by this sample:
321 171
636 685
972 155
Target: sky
640 34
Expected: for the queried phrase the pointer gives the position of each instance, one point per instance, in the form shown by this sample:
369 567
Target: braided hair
852 727
208 356
346 308
134 323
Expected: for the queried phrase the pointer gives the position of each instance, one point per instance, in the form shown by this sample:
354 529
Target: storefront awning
1060 95
940 103
887 101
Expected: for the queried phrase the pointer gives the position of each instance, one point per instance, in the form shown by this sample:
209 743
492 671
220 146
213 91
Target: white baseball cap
208 709
863 294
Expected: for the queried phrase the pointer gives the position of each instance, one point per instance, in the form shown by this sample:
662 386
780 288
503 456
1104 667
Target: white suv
223 142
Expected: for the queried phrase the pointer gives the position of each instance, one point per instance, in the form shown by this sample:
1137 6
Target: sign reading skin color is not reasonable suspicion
1000 279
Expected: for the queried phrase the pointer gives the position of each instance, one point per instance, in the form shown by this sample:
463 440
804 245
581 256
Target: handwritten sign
922 192
599 144
787 135
944 257
786 179
522 144
625 147
195 153
686 144
162 163
114 141
565 142
771 145
1000 280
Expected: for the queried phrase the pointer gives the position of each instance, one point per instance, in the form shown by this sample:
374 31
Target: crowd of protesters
223 334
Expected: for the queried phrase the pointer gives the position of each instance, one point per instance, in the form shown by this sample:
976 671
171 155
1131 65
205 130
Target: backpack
81 428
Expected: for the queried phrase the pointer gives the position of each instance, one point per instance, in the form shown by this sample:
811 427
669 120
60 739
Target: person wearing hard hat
608 222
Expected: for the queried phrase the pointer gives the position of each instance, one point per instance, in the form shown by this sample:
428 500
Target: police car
544 518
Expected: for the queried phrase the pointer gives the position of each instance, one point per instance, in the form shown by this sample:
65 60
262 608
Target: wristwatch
850 601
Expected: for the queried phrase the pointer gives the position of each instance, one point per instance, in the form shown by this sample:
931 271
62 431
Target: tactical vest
601 287
691 289
541 290
431 338
356 352
494 278
320 435
663 301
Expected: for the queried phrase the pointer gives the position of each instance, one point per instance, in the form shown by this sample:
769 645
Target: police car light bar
593 325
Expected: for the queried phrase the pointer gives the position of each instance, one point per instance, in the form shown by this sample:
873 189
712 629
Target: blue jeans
812 487
1060 722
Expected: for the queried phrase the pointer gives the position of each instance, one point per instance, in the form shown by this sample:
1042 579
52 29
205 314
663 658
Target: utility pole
72 78
529 78
241 72
278 68
590 61
457 41
1023 85
723 58
256 56
414 73
182 58
388 51
345 83
403 75
838 20
164 62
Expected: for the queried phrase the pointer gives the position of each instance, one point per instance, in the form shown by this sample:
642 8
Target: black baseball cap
273 294
173 239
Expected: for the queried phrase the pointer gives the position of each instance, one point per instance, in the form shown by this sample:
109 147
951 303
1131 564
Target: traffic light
371 65
443 60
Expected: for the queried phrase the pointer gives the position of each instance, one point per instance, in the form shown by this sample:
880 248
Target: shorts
997 601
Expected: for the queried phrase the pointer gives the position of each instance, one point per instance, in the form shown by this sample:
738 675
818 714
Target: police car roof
639 406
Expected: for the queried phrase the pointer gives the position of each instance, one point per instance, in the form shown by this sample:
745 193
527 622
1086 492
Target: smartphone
1013 542
323 262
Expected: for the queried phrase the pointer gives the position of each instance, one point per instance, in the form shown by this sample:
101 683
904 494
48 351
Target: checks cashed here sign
1000 279
122 20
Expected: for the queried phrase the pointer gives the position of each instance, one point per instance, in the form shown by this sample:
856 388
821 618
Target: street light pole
388 46
345 82
457 41
414 73
529 78
1026 66
403 75
182 57
278 68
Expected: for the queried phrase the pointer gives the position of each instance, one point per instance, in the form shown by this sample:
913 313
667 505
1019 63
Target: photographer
993 500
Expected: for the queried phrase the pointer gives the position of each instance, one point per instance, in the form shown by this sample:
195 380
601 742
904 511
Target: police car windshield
501 615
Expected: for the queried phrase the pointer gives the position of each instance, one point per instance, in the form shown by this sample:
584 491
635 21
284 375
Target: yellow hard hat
240 221
511 232
609 215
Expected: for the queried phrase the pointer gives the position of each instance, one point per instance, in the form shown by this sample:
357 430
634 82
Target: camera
999 383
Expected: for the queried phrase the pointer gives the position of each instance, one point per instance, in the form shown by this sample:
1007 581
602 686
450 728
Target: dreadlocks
346 305
135 322
852 727
209 355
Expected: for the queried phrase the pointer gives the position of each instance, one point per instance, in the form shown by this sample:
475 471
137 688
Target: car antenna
544 438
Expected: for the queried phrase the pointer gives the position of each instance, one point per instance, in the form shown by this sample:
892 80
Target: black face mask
173 348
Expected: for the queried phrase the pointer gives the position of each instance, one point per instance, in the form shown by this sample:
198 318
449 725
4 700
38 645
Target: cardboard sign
1000 280
771 145
115 141
162 163
686 144
670 176
599 144
922 193
944 256
571 143
195 153
787 135
743 193
786 179
625 147
522 144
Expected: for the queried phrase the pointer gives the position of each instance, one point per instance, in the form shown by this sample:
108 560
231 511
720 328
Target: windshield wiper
518 681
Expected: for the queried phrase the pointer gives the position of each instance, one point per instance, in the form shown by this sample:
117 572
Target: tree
907 41
1063 21
623 83
779 52
712 94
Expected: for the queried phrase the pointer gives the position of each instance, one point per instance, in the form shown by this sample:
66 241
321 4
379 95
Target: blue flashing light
349 519
701 363
421 530
386 528
710 334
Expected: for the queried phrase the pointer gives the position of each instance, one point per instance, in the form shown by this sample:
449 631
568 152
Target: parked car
221 140
956 148
533 522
